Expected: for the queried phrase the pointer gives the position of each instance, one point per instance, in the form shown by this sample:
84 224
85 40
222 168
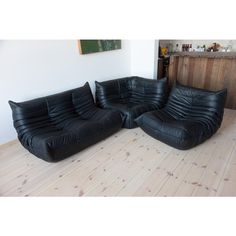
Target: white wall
144 55
29 69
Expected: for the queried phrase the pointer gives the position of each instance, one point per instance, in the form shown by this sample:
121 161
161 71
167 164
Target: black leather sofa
57 126
132 96
190 117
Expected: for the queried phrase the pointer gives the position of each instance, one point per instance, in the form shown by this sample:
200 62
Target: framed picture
92 46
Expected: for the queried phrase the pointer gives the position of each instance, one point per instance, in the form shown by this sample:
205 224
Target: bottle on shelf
187 47
177 47
190 48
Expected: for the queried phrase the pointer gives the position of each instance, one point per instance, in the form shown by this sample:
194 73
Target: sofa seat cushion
110 120
130 111
53 146
181 134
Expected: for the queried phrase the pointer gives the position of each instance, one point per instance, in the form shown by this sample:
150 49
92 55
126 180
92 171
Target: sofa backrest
51 110
185 101
131 89
116 90
60 108
29 116
148 91
83 101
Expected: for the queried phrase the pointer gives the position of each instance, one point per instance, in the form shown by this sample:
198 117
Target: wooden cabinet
163 64
213 71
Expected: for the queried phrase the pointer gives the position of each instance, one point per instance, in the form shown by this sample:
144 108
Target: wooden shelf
227 55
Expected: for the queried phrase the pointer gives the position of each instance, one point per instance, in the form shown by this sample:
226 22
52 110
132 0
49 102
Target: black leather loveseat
57 126
132 96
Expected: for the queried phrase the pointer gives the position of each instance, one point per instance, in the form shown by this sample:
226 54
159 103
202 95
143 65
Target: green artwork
91 46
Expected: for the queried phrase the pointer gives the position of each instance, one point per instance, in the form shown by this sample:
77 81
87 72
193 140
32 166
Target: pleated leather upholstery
57 126
132 96
190 117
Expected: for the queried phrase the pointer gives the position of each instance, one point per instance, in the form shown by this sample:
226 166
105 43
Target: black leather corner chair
132 96
57 126
190 117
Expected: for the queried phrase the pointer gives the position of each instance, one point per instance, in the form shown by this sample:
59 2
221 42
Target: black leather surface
57 126
190 117
132 96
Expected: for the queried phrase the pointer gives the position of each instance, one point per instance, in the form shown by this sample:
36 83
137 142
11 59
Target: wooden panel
206 73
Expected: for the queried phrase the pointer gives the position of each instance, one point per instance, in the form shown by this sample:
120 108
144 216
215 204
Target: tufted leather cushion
131 96
190 117
57 126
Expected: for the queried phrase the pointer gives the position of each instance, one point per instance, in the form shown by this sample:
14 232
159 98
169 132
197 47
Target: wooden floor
129 163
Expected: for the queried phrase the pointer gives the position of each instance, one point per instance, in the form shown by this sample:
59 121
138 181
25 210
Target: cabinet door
161 72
